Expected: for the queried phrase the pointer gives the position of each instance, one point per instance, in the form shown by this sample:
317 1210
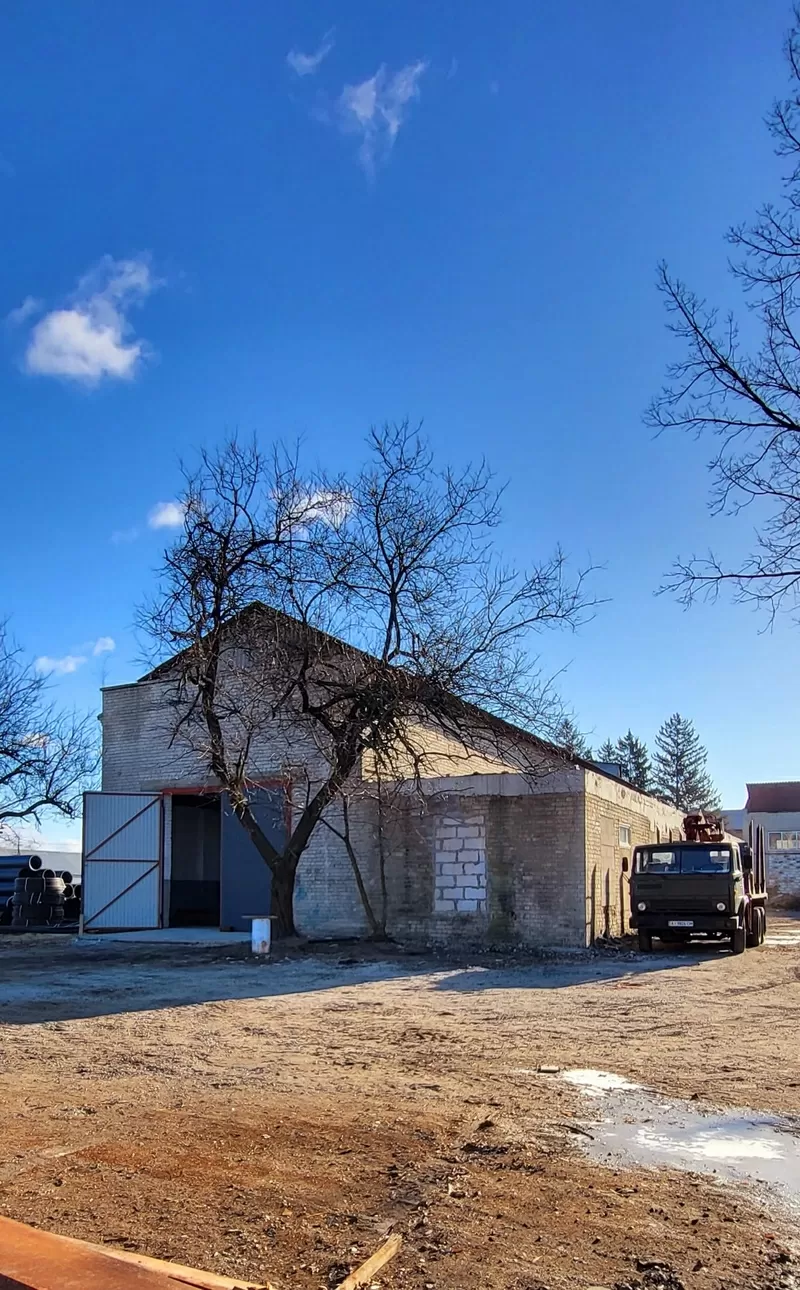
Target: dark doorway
192 898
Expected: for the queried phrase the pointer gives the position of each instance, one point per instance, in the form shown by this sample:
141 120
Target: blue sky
302 219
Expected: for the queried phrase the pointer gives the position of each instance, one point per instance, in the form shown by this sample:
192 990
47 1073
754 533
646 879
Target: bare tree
747 394
47 756
276 569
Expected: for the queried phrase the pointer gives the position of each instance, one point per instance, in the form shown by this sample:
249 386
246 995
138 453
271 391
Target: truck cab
706 888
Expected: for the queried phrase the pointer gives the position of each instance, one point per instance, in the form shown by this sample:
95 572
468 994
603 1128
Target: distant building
777 808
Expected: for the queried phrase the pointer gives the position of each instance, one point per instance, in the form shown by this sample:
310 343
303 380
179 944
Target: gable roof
489 719
773 798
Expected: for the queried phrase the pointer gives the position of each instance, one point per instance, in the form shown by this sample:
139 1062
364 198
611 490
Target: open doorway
193 896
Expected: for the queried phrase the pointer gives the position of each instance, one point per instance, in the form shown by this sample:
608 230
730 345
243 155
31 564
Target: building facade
484 856
776 807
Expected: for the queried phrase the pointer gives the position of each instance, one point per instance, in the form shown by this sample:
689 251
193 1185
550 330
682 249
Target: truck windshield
684 860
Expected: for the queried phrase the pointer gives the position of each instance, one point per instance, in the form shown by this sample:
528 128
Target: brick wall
532 861
783 867
611 806
526 863
427 753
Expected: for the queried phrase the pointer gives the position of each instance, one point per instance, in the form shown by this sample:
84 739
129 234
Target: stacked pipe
43 897
9 869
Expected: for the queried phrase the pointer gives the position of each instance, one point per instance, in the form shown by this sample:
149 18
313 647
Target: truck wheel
739 940
763 926
645 942
751 926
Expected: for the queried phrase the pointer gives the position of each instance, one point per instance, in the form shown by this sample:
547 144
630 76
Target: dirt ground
277 1120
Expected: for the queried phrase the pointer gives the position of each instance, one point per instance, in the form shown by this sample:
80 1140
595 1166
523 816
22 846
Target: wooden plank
176 1271
34 1260
46 1261
363 1275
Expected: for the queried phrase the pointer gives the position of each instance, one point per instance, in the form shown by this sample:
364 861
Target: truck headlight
642 906
721 906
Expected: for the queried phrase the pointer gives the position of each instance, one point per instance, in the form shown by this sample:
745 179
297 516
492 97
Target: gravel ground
278 1119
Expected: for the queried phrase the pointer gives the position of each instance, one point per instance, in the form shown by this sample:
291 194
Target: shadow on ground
45 980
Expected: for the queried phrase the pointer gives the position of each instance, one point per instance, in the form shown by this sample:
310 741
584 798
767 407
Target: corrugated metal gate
122 859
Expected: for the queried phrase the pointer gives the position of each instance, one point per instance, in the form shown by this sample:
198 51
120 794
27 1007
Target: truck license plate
681 922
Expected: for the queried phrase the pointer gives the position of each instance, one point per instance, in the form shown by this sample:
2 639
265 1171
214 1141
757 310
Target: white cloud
104 645
93 339
121 536
59 666
328 505
166 515
309 64
36 739
26 310
376 108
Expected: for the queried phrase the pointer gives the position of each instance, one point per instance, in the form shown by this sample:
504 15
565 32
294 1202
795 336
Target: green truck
706 885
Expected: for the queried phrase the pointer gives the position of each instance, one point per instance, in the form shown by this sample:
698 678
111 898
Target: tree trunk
282 867
283 879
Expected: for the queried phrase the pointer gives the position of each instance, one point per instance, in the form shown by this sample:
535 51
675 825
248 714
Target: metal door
122 856
245 880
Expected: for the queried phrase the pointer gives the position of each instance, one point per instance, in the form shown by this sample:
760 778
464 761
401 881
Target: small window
624 835
787 841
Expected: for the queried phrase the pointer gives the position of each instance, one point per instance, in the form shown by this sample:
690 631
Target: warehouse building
477 854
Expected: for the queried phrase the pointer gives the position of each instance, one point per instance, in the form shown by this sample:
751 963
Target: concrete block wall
783 879
460 863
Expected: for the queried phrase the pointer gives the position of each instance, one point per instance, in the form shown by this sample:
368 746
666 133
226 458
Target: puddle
598 1083
635 1126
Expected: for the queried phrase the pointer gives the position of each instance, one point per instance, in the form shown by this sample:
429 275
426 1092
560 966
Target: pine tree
567 735
607 752
632 755
679 767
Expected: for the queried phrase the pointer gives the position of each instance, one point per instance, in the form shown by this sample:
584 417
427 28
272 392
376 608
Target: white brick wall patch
460 865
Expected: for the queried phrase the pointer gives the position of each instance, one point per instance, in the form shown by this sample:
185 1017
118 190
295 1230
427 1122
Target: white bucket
261 935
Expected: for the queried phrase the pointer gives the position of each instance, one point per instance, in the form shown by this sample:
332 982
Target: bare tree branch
276 569
47 756
748 399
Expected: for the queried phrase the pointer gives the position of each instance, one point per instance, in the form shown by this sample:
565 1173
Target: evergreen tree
632 755
567 735
679 767
607 752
